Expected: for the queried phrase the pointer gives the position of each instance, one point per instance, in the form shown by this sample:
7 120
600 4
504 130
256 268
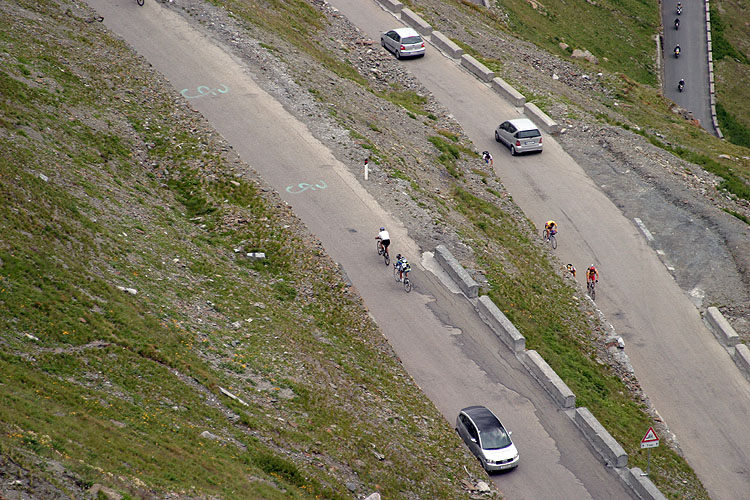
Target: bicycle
591 287
383 251
550 236
406 280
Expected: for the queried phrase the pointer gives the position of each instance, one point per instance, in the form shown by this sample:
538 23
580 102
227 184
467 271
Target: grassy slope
619 33
117 387
731 36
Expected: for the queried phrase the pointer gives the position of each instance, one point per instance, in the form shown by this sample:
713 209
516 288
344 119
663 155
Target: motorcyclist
681 85
677 50
679 8
677 23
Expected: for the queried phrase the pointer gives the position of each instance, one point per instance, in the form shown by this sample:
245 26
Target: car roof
482 417
523 124
402 32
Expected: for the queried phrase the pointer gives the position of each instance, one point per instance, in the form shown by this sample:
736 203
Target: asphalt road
692 65
452 356
449 352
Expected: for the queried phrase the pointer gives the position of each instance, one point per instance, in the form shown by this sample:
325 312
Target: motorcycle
677 51
681 85
679 8
677 24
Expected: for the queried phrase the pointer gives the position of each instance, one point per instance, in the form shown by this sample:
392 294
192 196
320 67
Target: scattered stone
131 291
100 491
584 54
482 487
232 396
209 435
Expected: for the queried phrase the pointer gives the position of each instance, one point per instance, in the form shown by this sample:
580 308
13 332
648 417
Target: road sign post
650 440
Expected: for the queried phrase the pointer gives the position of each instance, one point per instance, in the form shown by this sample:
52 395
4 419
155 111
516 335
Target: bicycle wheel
140 2
544 236
386 258
592 290
407 284
553 241
378 247
395 273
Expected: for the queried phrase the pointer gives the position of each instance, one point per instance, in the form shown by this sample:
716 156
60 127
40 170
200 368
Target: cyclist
403 267
592 275
551 227
571 269
385 239
487 157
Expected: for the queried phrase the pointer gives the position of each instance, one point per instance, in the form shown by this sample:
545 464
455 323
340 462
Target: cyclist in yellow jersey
550 227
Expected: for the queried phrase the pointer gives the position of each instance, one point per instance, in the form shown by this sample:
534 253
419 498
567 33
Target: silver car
520 135
404 42
487 439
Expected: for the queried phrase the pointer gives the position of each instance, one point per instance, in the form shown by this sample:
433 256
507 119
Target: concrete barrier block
456 271
409 17
500 324
721 327
643 486
392 5
538 116
477 68
742 359
446 44
508 92
551 382
602 440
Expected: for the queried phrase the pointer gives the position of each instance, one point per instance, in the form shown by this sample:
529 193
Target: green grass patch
741 217
407 99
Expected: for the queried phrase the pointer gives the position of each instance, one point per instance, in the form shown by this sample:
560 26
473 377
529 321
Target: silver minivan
404 42
520 135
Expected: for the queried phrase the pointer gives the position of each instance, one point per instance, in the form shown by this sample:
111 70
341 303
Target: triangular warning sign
650 436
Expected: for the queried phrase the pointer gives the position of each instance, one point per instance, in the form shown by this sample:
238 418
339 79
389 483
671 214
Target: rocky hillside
169 328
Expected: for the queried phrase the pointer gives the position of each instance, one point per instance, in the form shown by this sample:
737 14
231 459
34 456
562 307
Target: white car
487 439
403 42
520 135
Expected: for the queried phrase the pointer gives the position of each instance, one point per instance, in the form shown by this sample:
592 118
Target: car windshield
411 39
495 438
525 134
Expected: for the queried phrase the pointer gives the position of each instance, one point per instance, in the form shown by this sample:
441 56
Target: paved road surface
692 65
453 357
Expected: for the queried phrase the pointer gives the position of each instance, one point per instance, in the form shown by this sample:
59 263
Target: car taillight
518 143
422 44
403 48
540 140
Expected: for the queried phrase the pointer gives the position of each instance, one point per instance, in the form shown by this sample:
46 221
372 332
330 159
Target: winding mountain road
453 357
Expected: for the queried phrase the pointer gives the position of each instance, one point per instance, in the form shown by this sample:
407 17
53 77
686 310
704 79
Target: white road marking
643 229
